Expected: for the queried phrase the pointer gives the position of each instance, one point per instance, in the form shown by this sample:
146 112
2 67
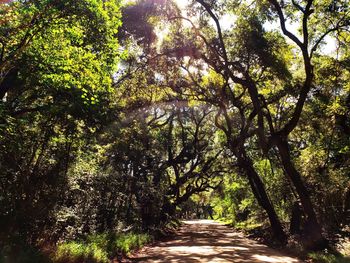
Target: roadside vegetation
100 248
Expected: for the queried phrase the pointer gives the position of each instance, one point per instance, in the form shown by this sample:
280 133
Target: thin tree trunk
8 82
259 191
313 230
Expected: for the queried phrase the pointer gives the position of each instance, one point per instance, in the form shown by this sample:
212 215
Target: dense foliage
117 118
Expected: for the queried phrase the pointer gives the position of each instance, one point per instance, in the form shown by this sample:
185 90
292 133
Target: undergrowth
16 250
246 225
325 257
99 248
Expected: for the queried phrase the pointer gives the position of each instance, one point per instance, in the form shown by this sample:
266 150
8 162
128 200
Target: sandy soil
208 241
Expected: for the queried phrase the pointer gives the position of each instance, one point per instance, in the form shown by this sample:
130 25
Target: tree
57 62
241 68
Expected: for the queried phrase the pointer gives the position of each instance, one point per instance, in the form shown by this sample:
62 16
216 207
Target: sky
227 21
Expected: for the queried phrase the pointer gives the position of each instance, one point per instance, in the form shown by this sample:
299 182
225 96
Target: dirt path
208 241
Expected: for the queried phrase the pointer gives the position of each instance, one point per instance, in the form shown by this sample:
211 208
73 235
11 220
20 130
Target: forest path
209 241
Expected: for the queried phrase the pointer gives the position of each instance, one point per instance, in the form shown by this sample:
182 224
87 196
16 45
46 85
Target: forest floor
209 241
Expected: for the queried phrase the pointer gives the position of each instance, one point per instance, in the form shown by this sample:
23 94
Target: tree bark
313 231
8 82
295 221
259 191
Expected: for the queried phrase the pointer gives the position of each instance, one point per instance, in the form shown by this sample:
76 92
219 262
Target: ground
209 241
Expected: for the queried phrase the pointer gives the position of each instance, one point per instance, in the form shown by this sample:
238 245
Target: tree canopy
119 115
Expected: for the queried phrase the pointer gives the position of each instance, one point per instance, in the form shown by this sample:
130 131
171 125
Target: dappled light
263 258
209 241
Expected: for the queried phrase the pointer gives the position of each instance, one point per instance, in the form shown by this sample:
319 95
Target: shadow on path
208 241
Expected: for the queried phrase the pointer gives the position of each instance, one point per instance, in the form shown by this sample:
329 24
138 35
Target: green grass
100 248
131 241
225 220
246 225
324 257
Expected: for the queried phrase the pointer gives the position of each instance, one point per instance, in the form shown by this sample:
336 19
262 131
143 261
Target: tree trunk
8 82
346 206
258 188
313 231
295 221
